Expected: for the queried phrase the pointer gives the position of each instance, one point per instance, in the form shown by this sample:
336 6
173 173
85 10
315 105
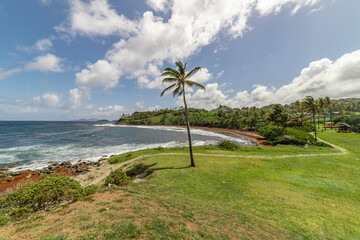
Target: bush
41 195
91 189
117 177
302 136
294 136
50 191
227 145
270 132
308 127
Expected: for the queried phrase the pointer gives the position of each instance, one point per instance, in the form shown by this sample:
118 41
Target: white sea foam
40 155
71 153
239 139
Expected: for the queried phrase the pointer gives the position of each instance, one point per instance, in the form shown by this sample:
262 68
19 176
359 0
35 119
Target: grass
279 150
314 197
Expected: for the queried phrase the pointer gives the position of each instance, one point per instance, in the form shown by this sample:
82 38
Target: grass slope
314 197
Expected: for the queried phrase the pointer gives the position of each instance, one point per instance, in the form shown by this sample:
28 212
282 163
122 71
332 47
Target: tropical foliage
297 115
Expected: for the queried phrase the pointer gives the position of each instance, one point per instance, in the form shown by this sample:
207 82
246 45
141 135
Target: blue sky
64 60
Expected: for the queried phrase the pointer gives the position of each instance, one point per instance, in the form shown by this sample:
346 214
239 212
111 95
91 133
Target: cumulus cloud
46 63
336 79
6 74
147 43
75 97
94 18
101 74
49 99
158 5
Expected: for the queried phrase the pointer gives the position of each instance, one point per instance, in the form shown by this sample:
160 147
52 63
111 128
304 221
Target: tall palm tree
311 106
179 79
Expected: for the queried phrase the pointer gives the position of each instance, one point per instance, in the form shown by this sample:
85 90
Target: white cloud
45 63
140 105
315 10
208 99
150 41
158 5
336 79
75 98
96 17
41 45
49 99
100 74
6 74
219 74
274 6
109 112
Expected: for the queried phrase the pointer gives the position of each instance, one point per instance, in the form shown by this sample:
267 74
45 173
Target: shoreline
248 134
11 180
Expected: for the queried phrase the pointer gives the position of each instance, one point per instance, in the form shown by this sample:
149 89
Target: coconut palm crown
178 80
311 106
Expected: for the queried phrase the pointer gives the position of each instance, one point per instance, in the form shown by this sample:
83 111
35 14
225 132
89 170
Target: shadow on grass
142 171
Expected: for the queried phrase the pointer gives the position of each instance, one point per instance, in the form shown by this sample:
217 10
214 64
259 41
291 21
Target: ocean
32 145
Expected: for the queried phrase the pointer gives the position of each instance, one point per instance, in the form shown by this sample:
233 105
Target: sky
73 59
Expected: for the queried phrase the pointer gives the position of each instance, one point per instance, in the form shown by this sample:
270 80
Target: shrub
302 136
227 145
270 132
117 177
89 190
49 191
41 195
308 127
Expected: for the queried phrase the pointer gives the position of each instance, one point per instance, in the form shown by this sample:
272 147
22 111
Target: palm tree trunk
314 126
188 130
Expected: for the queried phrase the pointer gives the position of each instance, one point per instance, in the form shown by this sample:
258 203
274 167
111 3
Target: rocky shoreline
10 180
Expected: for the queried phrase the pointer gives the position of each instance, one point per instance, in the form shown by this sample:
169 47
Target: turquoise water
31 145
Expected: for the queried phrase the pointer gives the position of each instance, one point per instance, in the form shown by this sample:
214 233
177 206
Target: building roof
344 124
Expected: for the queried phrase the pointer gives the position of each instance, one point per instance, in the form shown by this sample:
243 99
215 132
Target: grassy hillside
298 197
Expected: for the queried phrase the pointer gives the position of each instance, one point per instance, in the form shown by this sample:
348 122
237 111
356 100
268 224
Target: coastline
249 134
11 180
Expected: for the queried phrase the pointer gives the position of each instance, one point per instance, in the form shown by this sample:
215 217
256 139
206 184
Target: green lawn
299 197
231 198
279 150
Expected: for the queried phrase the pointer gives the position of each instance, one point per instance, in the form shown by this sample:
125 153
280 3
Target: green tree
179 79
278 116
311 106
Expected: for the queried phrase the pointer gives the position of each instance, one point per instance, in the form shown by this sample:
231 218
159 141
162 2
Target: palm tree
311 106
179 79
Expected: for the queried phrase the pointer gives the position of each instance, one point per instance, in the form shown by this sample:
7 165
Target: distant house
344 127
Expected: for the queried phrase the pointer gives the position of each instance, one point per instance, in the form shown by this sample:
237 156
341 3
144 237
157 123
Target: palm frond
191 83
169 80
171 72
192 72
181 68
177 90
167 89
